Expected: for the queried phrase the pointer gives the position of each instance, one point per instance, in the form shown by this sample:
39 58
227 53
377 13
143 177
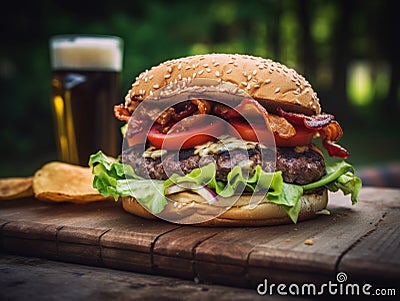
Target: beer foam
91 53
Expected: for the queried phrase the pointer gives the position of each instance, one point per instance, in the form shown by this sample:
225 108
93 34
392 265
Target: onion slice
209 195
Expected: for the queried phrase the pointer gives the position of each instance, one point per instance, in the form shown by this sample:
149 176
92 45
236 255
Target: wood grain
362 240
173 252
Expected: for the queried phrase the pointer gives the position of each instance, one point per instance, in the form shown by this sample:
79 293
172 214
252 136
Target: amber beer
85 87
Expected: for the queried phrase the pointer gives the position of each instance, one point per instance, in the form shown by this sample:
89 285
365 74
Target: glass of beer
86 74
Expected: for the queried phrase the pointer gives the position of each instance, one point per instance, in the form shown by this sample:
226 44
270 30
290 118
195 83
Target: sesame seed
249 77
179 76
151 93
230 62
200 72
169 70
270 71
228 71
146 79
151 76
235 64
208 70
244 84
167 76
179 66
267 81
298 101
156 86
310 103
277 90
244 73
256 86
295 92
136 83
307 90
217 74
216 64
205 65
194 74
255 72
248 86
187 67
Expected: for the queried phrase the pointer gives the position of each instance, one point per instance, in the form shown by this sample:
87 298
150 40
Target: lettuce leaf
340 175
271 184
112 178
149 193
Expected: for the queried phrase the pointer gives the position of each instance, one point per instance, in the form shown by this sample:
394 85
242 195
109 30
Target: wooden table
362 240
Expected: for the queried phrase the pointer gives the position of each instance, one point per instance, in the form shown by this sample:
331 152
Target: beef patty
297 167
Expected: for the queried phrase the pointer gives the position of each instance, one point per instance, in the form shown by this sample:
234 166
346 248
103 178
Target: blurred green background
348 50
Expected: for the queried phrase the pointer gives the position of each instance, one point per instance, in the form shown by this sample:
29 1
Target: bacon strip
331 134
329 130
135 127
253 110
203 105
315 122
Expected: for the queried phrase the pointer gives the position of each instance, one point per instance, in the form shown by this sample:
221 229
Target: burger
224 140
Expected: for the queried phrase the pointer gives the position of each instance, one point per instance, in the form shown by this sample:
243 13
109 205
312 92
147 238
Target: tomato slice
248 132
302 137
186 138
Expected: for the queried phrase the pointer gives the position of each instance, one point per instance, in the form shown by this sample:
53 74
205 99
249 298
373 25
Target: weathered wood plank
128 245
136 234
377 255
59 214
23 278
27 238
79 245
331 236
220 273
173 252
126 259
103 234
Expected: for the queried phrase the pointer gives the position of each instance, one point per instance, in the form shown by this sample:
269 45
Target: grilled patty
297 167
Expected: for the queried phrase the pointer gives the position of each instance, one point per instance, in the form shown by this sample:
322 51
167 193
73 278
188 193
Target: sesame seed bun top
269 82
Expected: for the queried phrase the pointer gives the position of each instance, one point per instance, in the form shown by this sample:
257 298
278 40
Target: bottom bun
189 208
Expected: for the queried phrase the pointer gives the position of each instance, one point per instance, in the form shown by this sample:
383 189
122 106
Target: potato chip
59 182
15 188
